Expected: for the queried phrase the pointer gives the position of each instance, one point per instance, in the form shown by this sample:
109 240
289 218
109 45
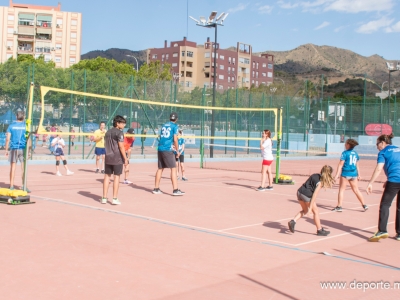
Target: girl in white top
58 143
266 152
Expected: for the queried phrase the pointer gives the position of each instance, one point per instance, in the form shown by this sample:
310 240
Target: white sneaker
58 174
115 201
127 182
103 200
70 172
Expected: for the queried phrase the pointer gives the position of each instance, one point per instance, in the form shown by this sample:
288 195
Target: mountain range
305 61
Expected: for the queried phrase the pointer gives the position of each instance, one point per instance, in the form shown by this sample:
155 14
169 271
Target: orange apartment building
40 30
195 64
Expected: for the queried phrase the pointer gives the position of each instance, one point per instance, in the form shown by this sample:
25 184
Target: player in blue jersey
181 159
389 161
166 157
349 171
16 142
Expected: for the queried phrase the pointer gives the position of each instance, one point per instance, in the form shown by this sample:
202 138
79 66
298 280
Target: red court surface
221 240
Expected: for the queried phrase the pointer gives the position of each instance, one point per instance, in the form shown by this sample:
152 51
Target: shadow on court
90 195
138 187
49 173
241 185
89 171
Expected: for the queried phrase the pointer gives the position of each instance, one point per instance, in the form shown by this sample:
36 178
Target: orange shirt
128 141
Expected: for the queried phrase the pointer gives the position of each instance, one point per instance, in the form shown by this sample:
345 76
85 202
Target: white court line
338 235
158 220
286 219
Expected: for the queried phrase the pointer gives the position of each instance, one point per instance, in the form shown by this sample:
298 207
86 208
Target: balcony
25 48
26 30
43 37
22 37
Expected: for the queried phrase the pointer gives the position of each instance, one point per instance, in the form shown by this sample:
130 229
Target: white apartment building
40 30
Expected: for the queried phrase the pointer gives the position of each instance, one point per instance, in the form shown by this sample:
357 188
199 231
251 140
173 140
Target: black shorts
113 169
166 160
181 158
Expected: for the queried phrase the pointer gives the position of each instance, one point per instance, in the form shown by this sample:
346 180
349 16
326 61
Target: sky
366 27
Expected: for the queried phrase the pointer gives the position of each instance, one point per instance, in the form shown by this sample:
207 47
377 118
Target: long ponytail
327 179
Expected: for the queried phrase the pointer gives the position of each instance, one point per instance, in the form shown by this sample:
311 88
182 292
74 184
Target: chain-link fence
306 119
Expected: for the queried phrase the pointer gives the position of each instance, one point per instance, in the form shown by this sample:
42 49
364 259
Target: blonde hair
327 179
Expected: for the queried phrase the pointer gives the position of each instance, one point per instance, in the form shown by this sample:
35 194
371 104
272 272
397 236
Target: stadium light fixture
391 69
212 22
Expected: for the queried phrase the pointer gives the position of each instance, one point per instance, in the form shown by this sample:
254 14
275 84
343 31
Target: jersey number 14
353 159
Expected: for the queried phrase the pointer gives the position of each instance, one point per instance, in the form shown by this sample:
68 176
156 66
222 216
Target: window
9 56
244 60
221 67
207 64
59 33
182 83
72 60
175 45
252 82
9 43
254 65
229 60
206 84
233 79
59 22
269 66
257 66
220 87
222 57
221 76
207 75
183 53
162 57
166 56
207 54
189 54
10 17
233 61
47 57
174 64
57 59
73 48
189 64
270 74
213 55
73 35
175 54
229 70
256 74
233 70
154 56
229 79
253 73
264 74
188 84
10 30
264 65
189 74
256 83
74 22
58 46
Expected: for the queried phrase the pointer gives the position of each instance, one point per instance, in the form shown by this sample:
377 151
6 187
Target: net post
84 113
236 119
27 135
70 112
227 120
202 128
278 146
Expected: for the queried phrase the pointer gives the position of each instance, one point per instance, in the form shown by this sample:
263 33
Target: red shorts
267 162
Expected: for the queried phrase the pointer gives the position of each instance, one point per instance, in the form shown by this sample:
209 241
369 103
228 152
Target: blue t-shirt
390 156
18 139
350 158
168 130
181 142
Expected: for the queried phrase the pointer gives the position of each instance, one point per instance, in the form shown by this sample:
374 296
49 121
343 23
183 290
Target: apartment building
194 64
40 30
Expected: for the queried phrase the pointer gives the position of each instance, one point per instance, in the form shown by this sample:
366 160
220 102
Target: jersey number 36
166 132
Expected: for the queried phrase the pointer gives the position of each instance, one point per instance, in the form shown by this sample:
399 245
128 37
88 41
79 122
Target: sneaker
323 232
11 188
378 235
58 174
397 237
269 188
70 172
115 201
184 179
97 171
157 191
365 207
178 193
337 208
102 171
104 200
260 189
27 190
127 181
291 225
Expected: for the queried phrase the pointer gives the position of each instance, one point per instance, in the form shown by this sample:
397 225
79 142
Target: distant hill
119 55
333 62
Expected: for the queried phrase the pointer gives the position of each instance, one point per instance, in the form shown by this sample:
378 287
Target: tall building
40 30
195 64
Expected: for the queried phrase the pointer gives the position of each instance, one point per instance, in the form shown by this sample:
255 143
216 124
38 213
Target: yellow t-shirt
99 133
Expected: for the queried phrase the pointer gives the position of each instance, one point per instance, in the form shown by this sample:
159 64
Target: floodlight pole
214 93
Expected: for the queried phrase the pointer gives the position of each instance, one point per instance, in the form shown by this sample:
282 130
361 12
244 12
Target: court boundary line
208 231
280 220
